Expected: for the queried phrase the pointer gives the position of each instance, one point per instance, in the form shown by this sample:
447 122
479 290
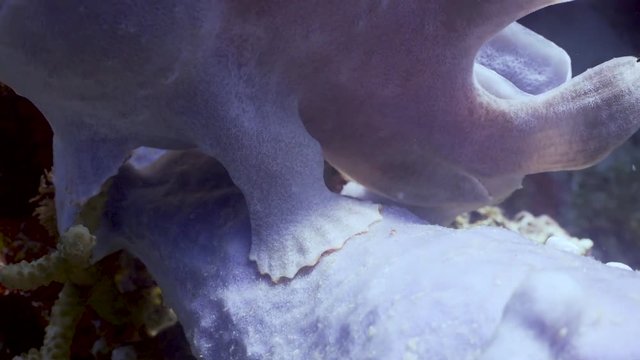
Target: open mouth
544 49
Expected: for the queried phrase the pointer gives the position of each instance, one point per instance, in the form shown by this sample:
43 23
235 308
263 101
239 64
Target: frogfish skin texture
389 92
403 290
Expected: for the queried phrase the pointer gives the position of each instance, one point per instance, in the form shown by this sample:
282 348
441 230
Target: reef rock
404 290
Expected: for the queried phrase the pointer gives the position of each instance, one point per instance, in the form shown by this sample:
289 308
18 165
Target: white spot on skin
372 331
564 244
563 332
411 349
619 265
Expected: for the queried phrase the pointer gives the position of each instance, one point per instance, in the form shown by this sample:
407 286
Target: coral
59 333
68 263
540 229
64 317
84 285
269 89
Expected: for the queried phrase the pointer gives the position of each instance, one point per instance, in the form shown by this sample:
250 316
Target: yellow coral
59 333
71 264
64 316
68 263
539 229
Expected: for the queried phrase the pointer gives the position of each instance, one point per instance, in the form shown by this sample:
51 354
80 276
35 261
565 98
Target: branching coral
64 317
59 333
84 285
69 263
540 229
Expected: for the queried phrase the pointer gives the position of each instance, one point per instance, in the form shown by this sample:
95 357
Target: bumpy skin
404 290
387 88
